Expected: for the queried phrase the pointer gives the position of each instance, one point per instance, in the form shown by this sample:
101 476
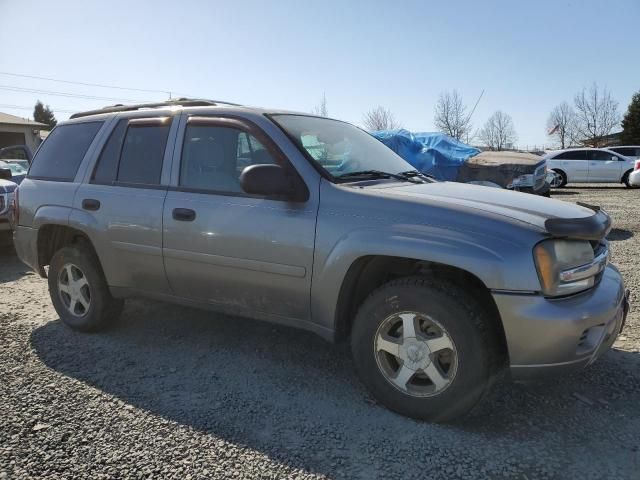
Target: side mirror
5 174
272 180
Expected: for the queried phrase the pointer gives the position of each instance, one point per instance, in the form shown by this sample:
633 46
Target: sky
527 56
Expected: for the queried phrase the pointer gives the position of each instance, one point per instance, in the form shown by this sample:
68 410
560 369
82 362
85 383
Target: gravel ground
175 392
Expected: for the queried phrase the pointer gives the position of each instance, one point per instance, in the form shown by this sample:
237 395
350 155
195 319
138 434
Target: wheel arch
369 272
562 173
52 237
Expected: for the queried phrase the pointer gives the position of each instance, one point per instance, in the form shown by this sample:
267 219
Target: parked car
436 285
7 189
634 177
630 151
586 165
17 169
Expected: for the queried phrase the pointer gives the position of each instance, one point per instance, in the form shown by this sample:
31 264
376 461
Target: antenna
476 104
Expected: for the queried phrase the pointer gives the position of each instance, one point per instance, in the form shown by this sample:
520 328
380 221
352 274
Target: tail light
637 167
14 209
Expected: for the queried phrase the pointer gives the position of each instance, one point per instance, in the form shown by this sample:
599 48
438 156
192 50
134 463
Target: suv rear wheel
78 290
423 348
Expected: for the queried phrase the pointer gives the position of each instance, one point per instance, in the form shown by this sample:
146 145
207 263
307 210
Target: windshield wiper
379 174
417 173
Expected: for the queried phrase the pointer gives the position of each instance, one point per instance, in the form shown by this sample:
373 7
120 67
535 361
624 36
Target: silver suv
311 222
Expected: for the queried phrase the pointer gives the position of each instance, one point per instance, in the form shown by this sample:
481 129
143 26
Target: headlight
567 266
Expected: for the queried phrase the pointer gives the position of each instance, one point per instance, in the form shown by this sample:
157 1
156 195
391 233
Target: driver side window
213 157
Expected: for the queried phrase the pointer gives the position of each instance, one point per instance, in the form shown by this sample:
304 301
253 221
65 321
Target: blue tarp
434 153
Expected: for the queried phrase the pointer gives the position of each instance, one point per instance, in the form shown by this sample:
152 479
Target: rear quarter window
61 153
571 155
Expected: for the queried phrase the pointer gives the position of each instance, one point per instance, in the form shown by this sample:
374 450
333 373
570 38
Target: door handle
91 204
184 214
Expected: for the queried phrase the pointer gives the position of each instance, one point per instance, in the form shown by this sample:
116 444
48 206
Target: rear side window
142 153
600 155
60 155
134 153
573 155
107 168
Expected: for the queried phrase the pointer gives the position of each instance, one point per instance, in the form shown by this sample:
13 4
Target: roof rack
182 102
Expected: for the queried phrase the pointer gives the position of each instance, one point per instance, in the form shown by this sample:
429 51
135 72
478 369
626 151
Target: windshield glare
340 148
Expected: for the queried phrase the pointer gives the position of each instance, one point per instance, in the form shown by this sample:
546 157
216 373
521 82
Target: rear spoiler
595 227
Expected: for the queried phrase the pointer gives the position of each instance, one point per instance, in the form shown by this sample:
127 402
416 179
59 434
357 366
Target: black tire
563 176
466 324
6 241
625 179
103 309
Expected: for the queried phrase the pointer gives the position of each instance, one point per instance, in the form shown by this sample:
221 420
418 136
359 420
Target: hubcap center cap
416 354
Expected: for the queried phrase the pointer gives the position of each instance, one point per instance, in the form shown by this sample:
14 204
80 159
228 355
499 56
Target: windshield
16 168
340 148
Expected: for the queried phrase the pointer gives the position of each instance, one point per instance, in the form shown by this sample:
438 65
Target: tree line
588 121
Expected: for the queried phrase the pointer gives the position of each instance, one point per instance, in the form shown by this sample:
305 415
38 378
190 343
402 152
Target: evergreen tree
631 122
43 114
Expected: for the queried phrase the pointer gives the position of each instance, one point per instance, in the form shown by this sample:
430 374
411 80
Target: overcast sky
527 55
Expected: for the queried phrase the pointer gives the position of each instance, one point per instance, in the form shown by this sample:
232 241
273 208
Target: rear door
574 164
244 253
121 202
604 166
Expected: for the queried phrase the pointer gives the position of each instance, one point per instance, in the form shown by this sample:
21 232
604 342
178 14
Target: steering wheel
350 164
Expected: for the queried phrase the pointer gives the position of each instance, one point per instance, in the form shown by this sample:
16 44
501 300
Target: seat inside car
209 167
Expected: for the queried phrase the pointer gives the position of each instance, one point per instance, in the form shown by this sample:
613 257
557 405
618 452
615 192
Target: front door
574 164
223 246
603 166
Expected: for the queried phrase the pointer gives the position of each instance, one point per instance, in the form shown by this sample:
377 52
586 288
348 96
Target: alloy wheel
74 290
415 354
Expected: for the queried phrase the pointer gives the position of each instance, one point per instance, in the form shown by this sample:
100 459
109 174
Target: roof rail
182 102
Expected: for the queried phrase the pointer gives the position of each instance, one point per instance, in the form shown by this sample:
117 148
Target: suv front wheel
423 348
78 290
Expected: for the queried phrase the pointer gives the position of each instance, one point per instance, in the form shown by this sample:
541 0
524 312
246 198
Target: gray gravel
175 392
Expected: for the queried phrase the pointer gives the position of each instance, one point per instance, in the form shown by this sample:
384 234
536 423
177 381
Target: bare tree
498 133
596 114
321 109
451 115
380 118
562 124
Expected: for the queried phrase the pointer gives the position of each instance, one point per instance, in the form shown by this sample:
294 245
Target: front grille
3 203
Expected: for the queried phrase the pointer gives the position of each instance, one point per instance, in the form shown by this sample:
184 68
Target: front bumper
544 190
557 335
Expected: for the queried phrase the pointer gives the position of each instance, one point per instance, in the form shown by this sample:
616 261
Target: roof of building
7 119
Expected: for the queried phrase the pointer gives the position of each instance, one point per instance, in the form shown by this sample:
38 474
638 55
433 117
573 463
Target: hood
522 207
7 186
